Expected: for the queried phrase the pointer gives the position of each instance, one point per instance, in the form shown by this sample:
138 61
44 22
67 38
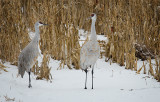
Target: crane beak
42 24
45 24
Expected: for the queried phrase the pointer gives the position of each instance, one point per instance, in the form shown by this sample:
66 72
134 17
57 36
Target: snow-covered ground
112 83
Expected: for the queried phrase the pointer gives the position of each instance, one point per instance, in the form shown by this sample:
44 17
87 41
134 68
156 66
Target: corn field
126 23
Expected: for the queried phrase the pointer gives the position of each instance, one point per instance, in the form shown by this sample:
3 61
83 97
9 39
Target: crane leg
86 79
29 80
92 78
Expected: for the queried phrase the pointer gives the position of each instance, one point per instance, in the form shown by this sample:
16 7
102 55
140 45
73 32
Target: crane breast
89 54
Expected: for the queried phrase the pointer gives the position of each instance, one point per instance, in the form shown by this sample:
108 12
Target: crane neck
37 35
93 31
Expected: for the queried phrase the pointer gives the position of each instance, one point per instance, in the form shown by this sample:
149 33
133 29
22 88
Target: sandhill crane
29 54
90 51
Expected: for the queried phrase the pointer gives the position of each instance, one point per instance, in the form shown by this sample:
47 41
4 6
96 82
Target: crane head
93 17
39 24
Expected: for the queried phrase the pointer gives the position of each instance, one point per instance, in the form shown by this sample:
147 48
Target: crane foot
29 86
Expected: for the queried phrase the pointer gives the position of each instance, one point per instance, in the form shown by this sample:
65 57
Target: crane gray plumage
29 54
90 51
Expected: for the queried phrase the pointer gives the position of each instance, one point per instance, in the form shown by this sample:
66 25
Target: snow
31 34
102 38
112 83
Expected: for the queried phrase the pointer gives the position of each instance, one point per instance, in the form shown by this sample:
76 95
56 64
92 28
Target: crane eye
92 15
40 22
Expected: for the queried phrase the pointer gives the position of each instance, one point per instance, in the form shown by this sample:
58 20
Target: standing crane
90 51
29 54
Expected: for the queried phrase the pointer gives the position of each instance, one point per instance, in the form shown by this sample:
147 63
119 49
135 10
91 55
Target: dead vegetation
9 99
132 26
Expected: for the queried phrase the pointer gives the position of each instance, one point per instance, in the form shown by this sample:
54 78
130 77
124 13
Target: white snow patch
112 83
31 35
